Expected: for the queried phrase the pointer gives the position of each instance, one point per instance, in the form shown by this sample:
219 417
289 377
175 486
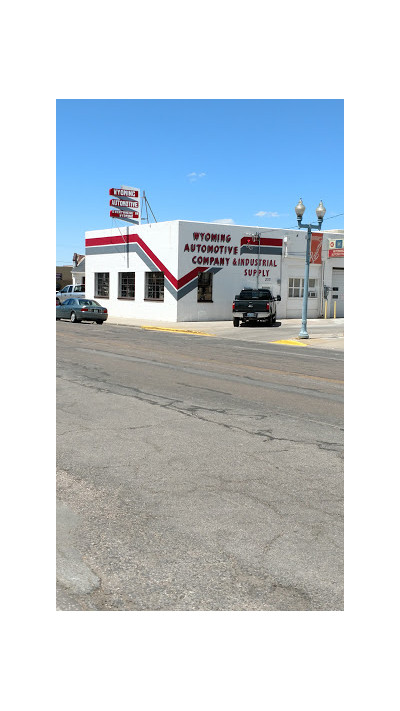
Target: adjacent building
63 276
78 271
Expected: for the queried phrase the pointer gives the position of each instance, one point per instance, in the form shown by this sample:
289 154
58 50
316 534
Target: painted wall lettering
207 237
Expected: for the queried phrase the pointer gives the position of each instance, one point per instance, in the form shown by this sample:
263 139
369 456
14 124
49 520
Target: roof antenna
147 205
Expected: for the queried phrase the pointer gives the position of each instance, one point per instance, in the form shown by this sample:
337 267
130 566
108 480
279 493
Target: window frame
156 276
97 295
120 276
312 287
209 276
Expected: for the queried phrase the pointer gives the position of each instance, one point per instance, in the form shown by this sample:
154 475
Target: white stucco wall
160 240
293 257
220 247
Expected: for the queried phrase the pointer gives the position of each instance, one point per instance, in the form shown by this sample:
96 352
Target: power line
295 227
331 218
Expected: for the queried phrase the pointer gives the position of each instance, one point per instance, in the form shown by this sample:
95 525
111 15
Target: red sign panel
124 214
336 252
124 192
264 241
316 248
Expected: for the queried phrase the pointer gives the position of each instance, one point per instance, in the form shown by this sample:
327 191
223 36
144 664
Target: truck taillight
233 305
267 307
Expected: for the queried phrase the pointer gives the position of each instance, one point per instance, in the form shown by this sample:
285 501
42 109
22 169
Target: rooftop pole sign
127 199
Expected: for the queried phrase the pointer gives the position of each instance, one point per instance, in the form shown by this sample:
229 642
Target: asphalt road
197 473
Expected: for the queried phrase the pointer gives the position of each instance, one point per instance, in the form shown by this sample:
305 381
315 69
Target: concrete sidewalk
323 333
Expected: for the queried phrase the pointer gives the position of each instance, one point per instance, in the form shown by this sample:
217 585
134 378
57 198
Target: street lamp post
300 209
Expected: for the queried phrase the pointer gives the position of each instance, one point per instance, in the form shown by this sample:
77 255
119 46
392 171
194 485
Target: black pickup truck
254 305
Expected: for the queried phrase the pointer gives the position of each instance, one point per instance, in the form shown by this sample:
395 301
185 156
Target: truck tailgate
250 306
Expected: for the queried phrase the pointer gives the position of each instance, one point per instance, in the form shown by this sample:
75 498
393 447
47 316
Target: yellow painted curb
291 343
178 330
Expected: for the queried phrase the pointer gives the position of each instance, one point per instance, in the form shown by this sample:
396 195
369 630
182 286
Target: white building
191 271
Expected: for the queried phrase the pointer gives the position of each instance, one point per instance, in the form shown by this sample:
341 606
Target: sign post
126 203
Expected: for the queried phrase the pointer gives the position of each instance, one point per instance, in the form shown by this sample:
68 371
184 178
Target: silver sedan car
81 310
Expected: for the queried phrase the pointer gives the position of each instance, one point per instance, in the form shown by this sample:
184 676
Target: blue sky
243 161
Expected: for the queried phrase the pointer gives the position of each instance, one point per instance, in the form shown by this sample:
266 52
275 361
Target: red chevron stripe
190 275
155 260
133 238
100 241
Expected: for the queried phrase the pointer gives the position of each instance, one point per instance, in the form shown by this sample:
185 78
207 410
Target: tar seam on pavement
178 330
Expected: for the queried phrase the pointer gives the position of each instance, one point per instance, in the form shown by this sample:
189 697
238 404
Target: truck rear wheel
236 322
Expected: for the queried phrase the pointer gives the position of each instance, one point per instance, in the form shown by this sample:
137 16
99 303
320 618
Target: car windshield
88 302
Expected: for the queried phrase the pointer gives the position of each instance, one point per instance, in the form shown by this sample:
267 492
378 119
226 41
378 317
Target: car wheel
236 322
73 317
99 322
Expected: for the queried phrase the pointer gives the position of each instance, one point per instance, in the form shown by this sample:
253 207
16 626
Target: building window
204 286
312 288
154 286
102 284
296 288
126 285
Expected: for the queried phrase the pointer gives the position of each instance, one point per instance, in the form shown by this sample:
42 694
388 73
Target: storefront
191 271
